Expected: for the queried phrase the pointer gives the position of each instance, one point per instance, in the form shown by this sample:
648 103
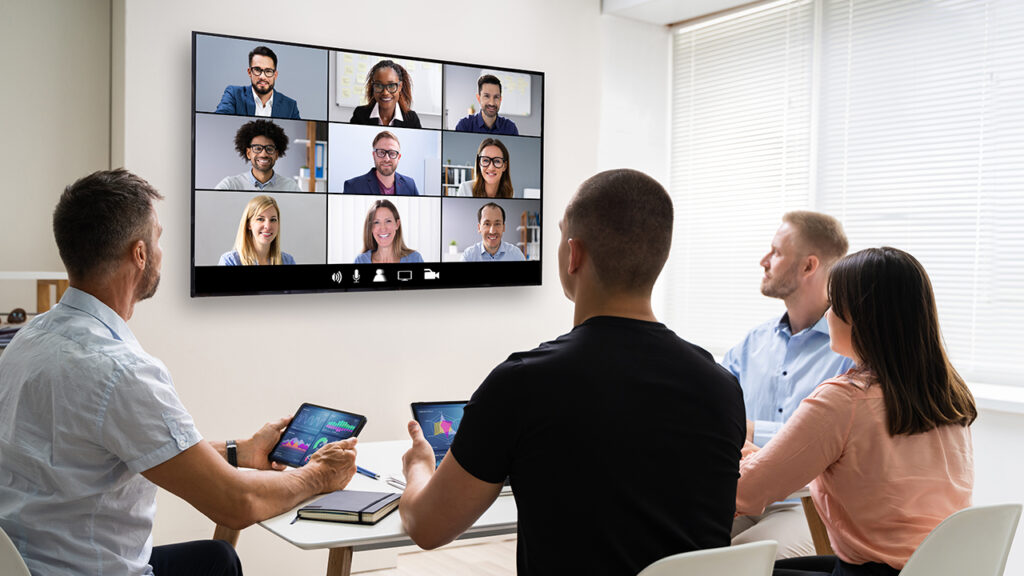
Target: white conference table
342 539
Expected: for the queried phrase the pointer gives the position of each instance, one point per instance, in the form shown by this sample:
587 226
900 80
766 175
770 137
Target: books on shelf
352 506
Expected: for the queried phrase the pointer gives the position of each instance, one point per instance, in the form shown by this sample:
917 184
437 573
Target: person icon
379 277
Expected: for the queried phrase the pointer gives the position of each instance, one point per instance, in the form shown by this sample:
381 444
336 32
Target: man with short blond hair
781 361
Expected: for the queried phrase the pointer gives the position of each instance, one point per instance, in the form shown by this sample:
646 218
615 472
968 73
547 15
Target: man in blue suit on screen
383 178
259 99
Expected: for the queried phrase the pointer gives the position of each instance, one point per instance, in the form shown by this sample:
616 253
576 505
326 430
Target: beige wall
56 124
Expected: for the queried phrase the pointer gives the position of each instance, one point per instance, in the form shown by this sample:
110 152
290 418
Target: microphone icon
355 277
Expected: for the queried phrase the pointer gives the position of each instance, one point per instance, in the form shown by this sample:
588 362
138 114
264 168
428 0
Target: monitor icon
405 275
429 274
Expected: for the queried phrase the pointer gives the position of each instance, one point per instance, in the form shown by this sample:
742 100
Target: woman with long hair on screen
382 237
388 96
491 178
886 447
258 241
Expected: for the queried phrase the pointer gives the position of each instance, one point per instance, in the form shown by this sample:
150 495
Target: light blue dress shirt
83 410
778 369
506 253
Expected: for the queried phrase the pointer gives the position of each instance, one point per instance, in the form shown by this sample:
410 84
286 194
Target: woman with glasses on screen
388 97
886 447
491 177
258 242
382 237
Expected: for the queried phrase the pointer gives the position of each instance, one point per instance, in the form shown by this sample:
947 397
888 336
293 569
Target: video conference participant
491 177
389 97
491 225
887 445
260 98
260 143
258 242
780 362
383 178
81 496
619 395
488 95
382 237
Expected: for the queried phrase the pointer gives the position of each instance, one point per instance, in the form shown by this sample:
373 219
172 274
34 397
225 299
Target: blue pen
366 472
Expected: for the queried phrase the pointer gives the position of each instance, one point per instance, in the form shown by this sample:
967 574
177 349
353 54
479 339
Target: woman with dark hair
382 237
388 97
886 447
491 177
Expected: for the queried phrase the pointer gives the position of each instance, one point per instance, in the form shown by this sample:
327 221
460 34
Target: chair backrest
972 541
11 563
753 559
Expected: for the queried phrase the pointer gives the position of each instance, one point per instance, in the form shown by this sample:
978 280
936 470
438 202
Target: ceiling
666 11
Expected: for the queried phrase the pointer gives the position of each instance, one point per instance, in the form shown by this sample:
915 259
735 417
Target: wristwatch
232 447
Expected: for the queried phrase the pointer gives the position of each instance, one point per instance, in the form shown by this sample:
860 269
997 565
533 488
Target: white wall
64 84
238 362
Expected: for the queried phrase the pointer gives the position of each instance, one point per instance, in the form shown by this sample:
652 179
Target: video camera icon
429 274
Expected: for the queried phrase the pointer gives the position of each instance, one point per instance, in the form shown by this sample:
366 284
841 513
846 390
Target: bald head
624 218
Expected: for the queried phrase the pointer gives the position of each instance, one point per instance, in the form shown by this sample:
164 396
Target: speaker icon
337 277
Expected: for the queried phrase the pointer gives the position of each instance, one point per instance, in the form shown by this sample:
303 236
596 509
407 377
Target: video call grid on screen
325 181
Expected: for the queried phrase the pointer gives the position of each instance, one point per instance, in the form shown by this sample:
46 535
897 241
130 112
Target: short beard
150 279
780 288
261 92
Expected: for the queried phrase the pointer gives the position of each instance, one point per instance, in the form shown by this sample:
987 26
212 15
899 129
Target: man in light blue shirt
91 425
781 361
490 220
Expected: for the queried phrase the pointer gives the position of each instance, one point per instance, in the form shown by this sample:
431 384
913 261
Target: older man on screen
491 225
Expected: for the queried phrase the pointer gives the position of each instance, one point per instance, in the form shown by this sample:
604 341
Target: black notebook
353 506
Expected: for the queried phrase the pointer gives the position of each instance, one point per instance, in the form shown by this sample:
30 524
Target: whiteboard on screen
351 81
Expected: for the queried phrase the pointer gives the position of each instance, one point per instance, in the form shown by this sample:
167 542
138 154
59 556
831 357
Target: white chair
753 559
973 541
11 563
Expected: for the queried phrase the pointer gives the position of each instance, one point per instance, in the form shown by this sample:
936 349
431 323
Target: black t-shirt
622 442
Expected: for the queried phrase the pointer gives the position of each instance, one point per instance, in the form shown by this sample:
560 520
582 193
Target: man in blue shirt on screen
621 441
488 94
91 425
259 99
781 361
491 225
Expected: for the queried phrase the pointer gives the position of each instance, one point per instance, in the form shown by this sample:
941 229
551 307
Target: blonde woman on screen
382 237
491 177
258 242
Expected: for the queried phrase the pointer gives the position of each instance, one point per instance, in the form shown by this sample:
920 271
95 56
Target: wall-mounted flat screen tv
333 169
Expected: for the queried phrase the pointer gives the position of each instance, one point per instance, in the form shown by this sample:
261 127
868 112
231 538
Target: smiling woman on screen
382 237
388 97
491 178
259 236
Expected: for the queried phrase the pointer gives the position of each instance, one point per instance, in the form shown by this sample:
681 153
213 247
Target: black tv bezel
212 281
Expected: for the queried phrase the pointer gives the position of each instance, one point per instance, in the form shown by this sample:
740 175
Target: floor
496 557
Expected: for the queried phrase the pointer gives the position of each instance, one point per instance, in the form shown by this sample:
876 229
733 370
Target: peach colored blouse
878 495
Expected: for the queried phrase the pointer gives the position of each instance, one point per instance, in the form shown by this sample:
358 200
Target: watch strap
232 450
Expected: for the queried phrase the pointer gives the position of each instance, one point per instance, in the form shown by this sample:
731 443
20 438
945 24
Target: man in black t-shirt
622 440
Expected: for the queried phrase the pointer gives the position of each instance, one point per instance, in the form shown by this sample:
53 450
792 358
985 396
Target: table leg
226 534
339 562
819 535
